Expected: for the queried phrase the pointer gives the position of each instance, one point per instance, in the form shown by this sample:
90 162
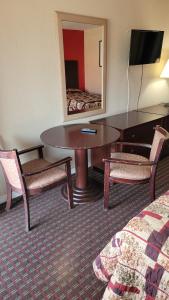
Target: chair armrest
50 166
128 162
30 149
133 144
38 148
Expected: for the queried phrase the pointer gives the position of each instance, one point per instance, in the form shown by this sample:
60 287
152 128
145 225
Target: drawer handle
133 135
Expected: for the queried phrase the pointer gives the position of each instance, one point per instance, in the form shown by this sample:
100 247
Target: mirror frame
62 16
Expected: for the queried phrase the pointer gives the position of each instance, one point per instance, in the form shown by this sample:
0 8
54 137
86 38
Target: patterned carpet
54 260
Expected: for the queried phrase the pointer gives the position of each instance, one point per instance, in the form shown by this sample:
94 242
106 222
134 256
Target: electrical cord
128 86
141 82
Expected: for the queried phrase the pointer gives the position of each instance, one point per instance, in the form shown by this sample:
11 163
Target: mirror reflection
83 64
83 69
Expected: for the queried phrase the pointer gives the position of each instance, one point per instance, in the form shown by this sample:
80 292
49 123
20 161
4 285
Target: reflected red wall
73 41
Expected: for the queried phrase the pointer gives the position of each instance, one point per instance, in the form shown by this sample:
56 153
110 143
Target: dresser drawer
143 133
140 134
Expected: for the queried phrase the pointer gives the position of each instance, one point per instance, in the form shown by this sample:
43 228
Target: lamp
165 74
165 71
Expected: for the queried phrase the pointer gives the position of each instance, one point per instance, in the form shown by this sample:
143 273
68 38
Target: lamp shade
165 71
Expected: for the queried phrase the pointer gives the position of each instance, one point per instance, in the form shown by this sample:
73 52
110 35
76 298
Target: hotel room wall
30 81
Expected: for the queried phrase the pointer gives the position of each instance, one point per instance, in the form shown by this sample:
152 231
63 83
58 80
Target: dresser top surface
134 118
159 109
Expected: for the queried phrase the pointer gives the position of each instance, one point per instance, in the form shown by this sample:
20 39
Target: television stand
135 126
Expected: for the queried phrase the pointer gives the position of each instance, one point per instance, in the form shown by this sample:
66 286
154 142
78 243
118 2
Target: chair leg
106 194
69 186
9 197
70 195
152 189
106 185
27 213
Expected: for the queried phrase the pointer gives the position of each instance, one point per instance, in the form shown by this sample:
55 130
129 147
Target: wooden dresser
135 126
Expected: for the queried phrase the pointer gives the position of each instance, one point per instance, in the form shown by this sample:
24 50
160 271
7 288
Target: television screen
145 46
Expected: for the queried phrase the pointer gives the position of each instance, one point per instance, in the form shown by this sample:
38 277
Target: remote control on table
88 130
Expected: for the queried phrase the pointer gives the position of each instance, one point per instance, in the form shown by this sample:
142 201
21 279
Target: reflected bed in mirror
83 64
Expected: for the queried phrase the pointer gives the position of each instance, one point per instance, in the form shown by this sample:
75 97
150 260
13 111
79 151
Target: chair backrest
11 168
160 136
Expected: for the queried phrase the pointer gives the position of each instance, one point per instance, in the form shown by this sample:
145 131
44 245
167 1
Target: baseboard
3 197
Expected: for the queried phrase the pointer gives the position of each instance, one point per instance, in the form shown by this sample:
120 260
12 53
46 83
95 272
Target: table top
71 137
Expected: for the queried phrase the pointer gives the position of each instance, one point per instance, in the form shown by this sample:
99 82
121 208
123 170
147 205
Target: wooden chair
33 177
132 168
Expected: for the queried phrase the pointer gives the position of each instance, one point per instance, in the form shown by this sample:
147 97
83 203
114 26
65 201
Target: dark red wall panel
73 41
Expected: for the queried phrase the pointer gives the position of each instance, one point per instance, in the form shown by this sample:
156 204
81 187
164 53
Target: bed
78 100
135 263
81 101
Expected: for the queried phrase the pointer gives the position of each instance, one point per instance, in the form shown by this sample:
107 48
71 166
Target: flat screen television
145 46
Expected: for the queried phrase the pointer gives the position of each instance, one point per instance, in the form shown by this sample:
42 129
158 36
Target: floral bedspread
81 101
135 263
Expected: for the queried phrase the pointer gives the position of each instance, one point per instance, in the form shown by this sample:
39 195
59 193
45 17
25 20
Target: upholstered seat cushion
125 171
44 178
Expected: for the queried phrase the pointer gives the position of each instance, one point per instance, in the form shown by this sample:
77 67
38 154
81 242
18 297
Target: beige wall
93 73
30 87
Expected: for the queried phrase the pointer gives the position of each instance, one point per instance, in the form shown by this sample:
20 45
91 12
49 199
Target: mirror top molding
64 16
83 82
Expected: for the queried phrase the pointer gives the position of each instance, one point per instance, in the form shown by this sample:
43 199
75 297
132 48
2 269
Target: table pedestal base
93 192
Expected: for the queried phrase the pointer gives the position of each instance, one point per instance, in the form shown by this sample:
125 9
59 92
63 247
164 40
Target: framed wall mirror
82 42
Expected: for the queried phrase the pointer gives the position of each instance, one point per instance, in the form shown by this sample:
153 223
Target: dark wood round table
71 137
